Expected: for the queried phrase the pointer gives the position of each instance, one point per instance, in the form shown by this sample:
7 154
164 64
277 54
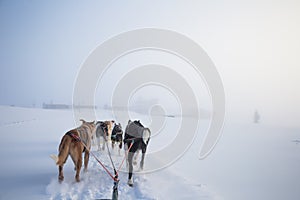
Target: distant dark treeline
55 106
65 106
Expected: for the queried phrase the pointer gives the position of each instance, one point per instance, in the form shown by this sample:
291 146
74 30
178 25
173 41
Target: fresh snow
29 136
251 161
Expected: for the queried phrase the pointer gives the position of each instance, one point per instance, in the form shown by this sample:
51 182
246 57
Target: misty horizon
44 45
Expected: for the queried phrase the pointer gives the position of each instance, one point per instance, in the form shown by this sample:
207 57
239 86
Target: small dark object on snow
115 190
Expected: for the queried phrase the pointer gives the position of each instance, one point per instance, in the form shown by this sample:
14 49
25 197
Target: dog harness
77 139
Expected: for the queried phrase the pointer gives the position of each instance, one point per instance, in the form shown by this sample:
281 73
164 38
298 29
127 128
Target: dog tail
54 157
63 150
146 135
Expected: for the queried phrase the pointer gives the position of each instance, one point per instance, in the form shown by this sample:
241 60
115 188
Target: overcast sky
255 46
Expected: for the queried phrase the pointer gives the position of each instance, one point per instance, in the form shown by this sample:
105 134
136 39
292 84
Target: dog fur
103 132
117 136
110 125
73 147
138 136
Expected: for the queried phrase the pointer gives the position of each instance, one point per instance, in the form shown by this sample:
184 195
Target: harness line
124 158
108 172
115 178
112 163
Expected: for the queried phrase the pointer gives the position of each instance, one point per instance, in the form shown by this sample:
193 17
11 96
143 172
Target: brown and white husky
72 144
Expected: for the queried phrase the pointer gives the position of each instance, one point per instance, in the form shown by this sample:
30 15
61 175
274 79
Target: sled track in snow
96 184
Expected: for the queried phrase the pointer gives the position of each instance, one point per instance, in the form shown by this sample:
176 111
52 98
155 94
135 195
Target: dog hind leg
135 157
130 158
78 168
144 148
61 174
76 156
86 159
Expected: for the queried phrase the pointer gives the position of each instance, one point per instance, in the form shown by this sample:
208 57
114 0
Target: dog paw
60 179
130 182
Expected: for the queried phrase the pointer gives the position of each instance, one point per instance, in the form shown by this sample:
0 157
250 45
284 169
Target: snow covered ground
251 161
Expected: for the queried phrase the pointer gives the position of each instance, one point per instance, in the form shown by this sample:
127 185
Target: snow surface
251 161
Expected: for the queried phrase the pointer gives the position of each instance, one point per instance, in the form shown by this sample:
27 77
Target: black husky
117 136
136 137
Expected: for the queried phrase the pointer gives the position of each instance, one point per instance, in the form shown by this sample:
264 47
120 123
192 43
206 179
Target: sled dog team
79 140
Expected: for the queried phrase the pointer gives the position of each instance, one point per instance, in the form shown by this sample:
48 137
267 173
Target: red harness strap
124 158
77 139
115 178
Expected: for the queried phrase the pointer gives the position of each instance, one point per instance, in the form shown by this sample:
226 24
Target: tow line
115 177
